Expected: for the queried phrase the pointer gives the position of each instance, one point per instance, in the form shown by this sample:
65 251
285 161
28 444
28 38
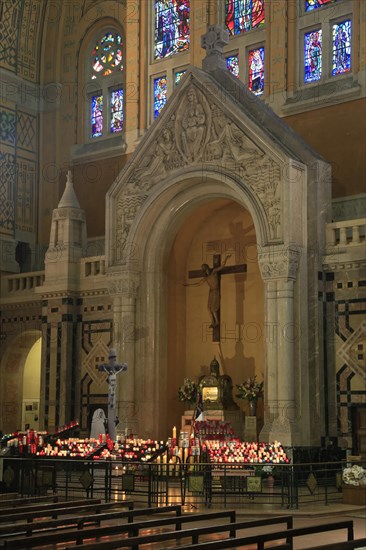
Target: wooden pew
346 545
8 496
96 507
44 506
80 522
21 501
260 540
193 534
131 528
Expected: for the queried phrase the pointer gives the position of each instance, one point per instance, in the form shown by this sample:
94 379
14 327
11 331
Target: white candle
174 433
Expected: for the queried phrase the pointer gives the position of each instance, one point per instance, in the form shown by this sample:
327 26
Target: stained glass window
117 111
341 54
107 55
313 55
171 27
314 4
178 76
232 63
97 115
256 71
160 94
243 15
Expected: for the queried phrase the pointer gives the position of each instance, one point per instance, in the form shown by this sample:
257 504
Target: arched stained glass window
105 69
97 115
171 27
313 55
314 4
178 76
107 55
256 71
160 94
232 63
117 111
243 15
341 46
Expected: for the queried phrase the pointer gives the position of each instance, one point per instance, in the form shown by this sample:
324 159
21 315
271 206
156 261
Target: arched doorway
16 372
32 387
181 203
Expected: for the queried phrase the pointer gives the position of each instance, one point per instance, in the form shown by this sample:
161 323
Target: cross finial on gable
213 42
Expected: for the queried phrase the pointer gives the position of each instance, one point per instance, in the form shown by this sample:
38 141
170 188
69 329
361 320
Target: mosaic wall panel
26 130
344 308
350 343
96 341
18 165
7 188
21 22
26 196
7 126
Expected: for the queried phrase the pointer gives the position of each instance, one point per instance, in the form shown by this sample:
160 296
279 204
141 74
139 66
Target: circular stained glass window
107 55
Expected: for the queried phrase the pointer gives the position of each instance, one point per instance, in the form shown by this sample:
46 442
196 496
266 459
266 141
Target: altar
217 400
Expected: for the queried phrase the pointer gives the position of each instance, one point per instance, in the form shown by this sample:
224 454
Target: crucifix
112 368
212 276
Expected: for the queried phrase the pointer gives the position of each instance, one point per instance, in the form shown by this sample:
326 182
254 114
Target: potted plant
250 390
354 485
266 473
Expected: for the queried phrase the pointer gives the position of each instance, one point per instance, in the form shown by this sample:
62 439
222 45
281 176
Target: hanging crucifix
212 276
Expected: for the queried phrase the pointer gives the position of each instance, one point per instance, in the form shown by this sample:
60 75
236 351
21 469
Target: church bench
46 505
260 540
96 507
132 529
21 501
80 521
346 545
7 496
194 534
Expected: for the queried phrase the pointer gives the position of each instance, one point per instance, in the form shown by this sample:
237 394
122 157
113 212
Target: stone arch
149 244
172 201
12 368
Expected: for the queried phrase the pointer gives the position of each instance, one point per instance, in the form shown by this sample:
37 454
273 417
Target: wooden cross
223 270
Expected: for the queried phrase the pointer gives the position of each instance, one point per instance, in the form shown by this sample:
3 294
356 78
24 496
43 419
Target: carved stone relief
200 132
192 125
126 211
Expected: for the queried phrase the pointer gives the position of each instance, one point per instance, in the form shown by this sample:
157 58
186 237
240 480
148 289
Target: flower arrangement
264 471
250 389
355 475
188 391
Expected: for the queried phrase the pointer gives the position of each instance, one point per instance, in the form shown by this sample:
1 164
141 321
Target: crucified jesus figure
212 278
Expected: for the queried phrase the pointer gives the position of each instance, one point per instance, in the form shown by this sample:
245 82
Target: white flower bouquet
355 475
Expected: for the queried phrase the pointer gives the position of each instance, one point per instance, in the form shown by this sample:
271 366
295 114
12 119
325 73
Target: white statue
97 424
112 368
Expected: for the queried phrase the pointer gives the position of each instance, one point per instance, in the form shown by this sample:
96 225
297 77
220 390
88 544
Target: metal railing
192 484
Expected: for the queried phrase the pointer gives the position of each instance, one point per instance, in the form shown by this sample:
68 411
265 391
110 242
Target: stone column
123 287
279 266
271 331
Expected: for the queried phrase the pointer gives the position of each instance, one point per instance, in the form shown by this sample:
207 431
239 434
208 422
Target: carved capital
279 262
125 283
